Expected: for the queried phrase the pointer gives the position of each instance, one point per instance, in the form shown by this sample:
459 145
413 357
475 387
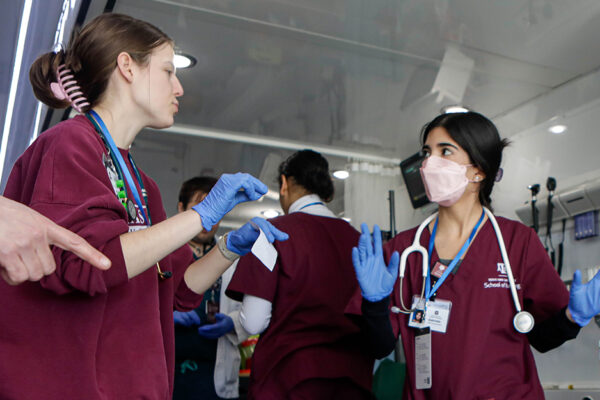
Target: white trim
14 83
38 117
268 141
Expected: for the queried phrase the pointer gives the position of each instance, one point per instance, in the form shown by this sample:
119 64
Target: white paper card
265 251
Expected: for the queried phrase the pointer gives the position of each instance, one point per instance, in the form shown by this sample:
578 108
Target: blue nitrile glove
584 300
223 325
375 279
226 194
242 240
189 318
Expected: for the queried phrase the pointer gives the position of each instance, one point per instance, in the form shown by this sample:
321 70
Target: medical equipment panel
576 201
567 203
559 213
592 190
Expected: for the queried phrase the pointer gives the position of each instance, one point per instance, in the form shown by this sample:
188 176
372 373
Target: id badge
438 314
432 314
423 358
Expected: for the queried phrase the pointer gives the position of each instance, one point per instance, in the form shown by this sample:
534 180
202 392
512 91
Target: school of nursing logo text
500 281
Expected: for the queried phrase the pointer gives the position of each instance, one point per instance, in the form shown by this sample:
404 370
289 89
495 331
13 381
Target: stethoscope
123 172
523 321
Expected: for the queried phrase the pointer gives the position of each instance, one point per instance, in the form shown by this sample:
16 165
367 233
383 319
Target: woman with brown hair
83 333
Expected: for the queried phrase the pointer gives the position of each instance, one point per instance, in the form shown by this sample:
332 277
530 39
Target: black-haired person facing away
308 348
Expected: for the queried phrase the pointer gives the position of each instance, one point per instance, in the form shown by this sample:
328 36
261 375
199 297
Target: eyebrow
442 144
446 144
170 63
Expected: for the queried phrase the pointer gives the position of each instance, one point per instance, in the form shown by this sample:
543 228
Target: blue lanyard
311 204
115 153
430 291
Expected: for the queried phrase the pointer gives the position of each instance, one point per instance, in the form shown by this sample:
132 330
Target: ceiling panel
349 72
360 75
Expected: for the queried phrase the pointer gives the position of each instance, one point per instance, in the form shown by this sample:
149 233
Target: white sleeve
255 315
238 334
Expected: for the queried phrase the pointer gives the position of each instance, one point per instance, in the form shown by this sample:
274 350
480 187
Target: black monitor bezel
404 164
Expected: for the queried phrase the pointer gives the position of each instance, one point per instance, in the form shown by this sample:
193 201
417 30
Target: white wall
572 158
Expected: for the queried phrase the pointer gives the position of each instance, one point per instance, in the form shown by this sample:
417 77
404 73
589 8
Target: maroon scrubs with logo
310 344
481 355
82 333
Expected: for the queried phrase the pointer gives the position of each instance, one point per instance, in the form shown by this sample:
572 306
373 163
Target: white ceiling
359 75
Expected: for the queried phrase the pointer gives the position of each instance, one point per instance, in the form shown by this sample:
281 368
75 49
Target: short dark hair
479 137
311 171
192 186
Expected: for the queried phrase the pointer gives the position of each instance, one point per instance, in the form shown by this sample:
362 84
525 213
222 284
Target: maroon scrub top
309 336
83 333
482 356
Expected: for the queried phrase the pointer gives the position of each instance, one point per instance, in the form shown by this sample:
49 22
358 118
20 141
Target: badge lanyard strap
431 291
115 153
122 170
115 163
139 179
311 204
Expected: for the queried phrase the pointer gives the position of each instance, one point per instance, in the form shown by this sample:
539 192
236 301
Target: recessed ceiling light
557 129
270 213
341 174
182 61
454 109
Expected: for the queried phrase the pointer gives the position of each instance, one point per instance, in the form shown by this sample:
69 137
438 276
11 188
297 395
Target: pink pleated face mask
445 181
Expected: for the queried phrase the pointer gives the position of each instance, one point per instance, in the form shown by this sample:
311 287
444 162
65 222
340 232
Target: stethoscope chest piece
523 322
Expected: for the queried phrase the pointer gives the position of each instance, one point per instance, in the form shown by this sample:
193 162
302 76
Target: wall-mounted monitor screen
412 179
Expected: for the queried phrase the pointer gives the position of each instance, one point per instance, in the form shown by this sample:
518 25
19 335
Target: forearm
552 332
205 271
377 329
143 249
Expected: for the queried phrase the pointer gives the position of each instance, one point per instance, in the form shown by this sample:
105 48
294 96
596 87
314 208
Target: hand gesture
584 300
242 240
229 191
25 237
376 280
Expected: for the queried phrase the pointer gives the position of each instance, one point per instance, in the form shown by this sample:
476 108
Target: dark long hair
92 56
479 137
311 171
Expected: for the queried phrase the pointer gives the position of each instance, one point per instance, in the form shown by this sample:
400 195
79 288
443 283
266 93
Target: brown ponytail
92 56
42 73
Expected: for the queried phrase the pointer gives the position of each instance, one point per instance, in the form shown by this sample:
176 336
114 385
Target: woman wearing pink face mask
465 346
